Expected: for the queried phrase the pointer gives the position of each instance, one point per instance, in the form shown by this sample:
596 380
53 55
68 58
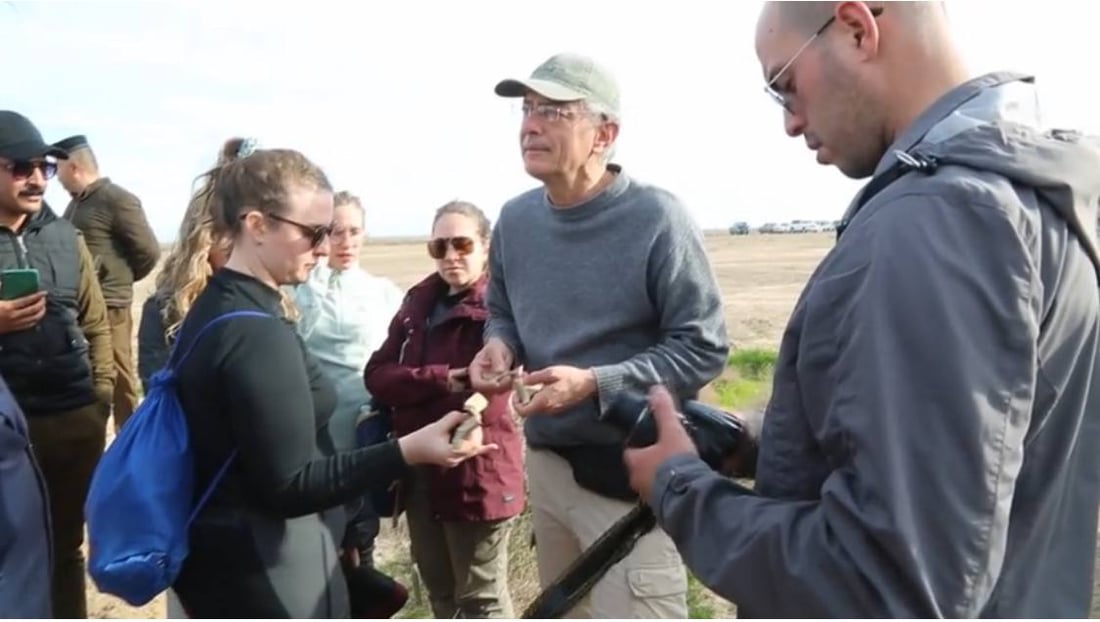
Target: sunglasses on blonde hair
463 245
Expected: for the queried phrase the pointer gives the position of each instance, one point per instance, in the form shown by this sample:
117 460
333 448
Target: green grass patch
699 601
753 363
747 381
738 393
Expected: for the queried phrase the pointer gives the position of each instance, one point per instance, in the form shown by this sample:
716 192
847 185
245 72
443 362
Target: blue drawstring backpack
140 502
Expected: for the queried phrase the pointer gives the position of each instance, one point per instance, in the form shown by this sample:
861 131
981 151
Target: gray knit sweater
620 284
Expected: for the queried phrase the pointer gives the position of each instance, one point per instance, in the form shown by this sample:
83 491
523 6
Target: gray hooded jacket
24 519
932 447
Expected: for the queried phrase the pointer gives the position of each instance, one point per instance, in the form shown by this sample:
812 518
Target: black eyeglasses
315 233
25 168
780 95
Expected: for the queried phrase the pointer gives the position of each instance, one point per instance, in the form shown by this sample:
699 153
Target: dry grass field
760 277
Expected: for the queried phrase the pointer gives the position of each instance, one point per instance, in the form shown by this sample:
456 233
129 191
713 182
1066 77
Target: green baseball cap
565 78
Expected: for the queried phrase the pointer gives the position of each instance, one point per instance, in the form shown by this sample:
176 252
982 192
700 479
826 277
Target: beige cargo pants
650 582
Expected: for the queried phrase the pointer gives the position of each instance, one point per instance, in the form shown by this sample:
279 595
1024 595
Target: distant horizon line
397 240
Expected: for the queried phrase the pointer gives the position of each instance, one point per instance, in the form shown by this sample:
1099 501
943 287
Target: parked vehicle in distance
798 226
740 228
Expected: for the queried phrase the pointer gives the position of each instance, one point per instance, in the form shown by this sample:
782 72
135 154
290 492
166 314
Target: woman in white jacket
344 314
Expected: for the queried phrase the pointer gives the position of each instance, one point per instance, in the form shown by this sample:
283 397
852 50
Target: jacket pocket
657 591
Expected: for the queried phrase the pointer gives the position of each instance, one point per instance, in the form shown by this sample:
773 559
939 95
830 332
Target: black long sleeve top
250 384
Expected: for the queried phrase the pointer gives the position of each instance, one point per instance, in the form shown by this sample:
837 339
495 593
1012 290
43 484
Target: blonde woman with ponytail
197 253
257 404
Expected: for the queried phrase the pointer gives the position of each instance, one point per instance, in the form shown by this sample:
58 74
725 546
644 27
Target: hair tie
247 148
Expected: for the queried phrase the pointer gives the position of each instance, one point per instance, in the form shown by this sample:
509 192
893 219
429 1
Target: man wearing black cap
56 345
123 246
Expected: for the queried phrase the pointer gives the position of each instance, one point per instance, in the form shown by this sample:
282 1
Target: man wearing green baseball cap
600 286
567 78
568 87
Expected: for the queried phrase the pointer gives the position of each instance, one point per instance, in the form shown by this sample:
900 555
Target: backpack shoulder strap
202 331
905 163
214 481
228 461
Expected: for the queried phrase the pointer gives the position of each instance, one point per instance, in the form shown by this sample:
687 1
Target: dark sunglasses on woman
463 245
316 234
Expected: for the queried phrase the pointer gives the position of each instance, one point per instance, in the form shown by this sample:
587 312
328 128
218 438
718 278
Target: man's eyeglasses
550 113
780 95
316 233
463 245
24 169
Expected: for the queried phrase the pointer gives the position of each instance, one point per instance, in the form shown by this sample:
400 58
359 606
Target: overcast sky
395 99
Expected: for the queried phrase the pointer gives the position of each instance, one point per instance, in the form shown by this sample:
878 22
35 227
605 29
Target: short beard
859 121
14 208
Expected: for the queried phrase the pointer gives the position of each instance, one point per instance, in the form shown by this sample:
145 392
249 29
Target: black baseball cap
72 143
20 140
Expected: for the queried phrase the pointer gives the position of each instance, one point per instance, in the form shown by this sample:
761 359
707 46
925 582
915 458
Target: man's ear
859 22
606 134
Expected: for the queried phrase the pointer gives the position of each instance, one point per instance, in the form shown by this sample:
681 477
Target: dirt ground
760 277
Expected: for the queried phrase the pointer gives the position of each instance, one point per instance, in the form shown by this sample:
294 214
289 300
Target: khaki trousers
464 565
67 447
650 582
126 383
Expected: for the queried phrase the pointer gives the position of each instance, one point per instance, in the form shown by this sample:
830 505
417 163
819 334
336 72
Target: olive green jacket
118 235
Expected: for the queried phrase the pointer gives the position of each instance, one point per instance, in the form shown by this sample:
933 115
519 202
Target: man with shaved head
124 247
932 446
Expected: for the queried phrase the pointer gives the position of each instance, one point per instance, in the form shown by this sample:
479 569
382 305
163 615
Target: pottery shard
473 407
476 405
524 392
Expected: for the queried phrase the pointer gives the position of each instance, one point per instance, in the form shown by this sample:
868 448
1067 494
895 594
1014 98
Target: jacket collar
944 107
38 220
91 188
259 293
422 297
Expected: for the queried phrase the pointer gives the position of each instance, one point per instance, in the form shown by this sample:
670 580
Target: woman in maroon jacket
458 518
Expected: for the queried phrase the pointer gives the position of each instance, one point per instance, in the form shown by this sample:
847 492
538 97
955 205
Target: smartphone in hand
18 282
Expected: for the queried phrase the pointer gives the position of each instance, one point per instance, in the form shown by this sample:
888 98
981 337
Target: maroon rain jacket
409 375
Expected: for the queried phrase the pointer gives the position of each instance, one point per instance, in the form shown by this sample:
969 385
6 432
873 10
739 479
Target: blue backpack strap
225 466
202 331
210 489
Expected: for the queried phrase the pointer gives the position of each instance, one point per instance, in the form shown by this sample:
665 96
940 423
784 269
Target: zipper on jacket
424 340
428 328
17 245
21 252
405 342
